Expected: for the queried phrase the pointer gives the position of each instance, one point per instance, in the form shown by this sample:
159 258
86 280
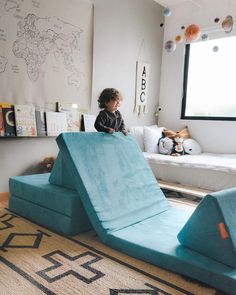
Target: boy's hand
111 130
125 132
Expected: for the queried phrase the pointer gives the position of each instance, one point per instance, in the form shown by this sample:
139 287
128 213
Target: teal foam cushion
60 223
211 230
60 175
113 179
36 190
155 240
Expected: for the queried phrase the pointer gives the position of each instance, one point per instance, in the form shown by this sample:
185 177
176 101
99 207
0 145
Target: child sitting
109 119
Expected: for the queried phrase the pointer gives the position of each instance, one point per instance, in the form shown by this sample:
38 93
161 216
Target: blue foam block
55 207
60 174
211 230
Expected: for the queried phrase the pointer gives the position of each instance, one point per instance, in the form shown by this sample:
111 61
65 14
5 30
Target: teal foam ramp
129 211
98 163
211 230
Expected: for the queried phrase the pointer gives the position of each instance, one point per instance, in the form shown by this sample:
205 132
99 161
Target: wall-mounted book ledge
29 121
26 137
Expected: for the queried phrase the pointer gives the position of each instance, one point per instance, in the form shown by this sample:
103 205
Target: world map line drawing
3 64
38 37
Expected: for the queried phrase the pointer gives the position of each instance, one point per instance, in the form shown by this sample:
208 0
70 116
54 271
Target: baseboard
4 196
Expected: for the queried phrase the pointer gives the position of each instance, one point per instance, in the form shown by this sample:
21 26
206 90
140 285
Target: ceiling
168 3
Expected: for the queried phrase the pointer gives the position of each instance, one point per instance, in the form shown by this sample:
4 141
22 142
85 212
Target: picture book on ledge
7 120
56 123
73 115
40 121
25 120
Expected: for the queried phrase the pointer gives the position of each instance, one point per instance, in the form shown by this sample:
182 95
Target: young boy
109 119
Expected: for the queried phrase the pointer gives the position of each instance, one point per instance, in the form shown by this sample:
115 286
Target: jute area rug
34 260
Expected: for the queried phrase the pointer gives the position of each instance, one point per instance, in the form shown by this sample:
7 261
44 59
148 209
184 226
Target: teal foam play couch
130 213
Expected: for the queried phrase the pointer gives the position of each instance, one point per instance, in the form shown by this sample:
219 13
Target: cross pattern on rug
153 291
16 240
134 291
4 221
64 265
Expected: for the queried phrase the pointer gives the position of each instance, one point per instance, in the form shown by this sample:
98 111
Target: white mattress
207 170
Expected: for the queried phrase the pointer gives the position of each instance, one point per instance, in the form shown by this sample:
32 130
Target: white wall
22 156
120 26
214 136
126 31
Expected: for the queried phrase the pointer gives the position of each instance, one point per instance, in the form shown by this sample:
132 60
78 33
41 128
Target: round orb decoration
166 11
228 24
170 46
215 48
178 39
192 33
204 37
216 20
182 27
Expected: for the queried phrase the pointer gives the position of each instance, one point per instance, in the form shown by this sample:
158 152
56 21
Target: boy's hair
107 95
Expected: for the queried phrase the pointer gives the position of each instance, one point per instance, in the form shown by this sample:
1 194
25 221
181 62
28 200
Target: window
209 90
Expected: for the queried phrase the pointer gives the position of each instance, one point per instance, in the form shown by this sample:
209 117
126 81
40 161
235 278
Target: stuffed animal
47 164
178 148
172 134
191 147
165 145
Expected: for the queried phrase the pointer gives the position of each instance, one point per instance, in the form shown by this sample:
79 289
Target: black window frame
184 98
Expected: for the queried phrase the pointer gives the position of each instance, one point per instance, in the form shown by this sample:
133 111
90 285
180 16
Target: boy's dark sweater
106 120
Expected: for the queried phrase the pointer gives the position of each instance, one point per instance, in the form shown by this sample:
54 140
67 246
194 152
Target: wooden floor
183 189
4 200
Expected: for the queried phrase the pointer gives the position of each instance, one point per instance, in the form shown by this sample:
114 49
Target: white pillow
151 137
137 132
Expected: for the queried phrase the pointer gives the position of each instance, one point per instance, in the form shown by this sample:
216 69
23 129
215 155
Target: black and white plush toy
178 148
191 147
165 145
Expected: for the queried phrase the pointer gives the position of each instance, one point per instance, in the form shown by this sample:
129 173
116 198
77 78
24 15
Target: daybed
209 171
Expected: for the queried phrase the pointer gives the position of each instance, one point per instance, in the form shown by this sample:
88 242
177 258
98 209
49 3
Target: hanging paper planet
215 48
228 24
166 11
192 33
204 37
170 46
178 39
216 20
